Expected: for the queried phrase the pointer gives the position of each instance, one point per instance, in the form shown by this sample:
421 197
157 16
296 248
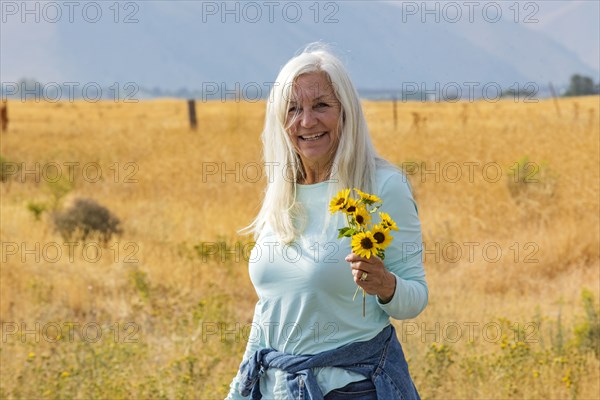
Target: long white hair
355 160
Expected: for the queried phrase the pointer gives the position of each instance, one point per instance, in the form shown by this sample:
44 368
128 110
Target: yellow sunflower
338 203
350 206
363 244
382 236
367 198
362 216
387 222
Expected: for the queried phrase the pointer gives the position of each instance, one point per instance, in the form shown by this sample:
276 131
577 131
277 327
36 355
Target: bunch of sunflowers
367 239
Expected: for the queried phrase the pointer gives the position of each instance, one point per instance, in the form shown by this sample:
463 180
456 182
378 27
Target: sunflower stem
355 292
364 297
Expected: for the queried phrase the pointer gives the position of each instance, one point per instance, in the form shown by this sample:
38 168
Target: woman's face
312 119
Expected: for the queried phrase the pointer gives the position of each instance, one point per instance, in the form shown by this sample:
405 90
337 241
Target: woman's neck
315 174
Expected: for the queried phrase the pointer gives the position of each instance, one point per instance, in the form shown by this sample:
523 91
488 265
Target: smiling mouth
310 138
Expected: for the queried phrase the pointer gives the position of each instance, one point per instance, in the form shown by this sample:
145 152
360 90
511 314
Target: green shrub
530 179
587 333
59 189
86 219
36 209
7 169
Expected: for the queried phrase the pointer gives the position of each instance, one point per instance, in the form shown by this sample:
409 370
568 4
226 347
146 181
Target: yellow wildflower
367 198
362 216
382 236
350 207
338 203
363 244
387 222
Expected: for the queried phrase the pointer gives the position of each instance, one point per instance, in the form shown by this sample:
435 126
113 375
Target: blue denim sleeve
403 257
256 340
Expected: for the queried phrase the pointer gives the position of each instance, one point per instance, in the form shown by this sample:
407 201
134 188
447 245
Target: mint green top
305 288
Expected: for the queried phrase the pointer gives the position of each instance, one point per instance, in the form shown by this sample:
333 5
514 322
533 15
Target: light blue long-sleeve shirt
305 288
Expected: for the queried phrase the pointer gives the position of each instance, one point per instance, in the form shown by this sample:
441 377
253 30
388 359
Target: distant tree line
582 86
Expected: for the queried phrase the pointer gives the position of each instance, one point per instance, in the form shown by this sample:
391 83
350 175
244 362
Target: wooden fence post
4 115
192 114
554 98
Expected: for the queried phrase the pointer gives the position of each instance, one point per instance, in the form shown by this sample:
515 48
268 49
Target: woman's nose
308 119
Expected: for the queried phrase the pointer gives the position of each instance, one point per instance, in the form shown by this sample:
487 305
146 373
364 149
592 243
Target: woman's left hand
371 275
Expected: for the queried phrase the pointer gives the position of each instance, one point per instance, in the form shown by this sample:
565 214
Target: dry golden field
508 196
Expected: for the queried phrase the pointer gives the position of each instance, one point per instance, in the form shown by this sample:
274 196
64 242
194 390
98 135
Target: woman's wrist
388 288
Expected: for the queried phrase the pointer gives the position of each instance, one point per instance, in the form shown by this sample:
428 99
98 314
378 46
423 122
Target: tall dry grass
172 315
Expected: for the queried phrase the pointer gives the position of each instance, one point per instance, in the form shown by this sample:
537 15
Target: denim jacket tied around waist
380 359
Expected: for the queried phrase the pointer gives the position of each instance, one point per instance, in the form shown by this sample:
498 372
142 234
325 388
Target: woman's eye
321 105
292 109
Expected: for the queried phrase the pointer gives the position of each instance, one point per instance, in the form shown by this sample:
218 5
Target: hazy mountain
574 24
183 44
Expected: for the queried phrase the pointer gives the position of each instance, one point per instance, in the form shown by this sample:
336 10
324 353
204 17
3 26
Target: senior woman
309 340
